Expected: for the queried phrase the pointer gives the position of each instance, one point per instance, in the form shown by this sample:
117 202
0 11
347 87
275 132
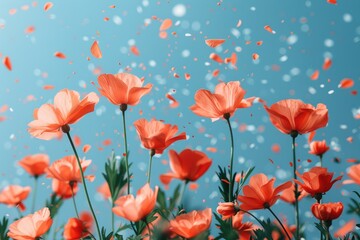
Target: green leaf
54 204
226 229
175 197
161 199
3 229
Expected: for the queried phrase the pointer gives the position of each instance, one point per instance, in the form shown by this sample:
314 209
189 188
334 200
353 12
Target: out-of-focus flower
156 135
32 226
345 229
35 164
288 195
67 109
291 115
318 148
191 224
63 189
244 229
122 88
226 99
317 181
87 219
67 169
189 165
135 209
14 195
354 174
327 211
104 190
260 192
74 229
226 209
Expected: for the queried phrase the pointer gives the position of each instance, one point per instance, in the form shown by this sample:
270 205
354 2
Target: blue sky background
307 32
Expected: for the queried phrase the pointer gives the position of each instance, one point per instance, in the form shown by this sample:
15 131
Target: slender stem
253 216
287 234
112 218
296 204
231 161
73 198
327 235
152 153
126 150
321 158
318 200
83 180
182 193
34 192
54 223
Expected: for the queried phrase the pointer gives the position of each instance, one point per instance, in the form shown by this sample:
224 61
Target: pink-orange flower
318 148
63 189
122 88
354 174
226 99
244 229
291 115
189 165
327 211
156 135
74 229
32 226
14 195
104 190
135 209
191 224
288 195
67 170
226 209
67 109
35 164
317 181
260 192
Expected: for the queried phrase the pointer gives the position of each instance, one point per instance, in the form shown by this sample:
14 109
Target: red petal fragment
216 58
214 42
327 63
346 83
166 24
135 50
7 63
30 30
187 76
48 87
59 55
47 6
107 142
269 29
174 103
95 50
315 75
255 56
332 1
86 148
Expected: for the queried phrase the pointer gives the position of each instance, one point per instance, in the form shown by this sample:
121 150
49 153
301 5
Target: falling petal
166 24
95 50
216 58
7 63
86 148
48 87
187 76
214 42
332 1
269 29
47 6
255 56
327 63
135 50
59 55
315 75
346 83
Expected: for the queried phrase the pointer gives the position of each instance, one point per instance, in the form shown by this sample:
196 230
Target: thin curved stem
150 163
231 162
287 234
112 218
321 160
73 198
253 216
83 180
34 192
182 193
296 204
126 153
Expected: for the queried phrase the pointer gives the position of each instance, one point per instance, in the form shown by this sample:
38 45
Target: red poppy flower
156 135
228 97
67 109
318 147
63 189
293 115
244 229
327 211
317 181
288 195
260 192
74 229
35 164
122 88
189 165
226 209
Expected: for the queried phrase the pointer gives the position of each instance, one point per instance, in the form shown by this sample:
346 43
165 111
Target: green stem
231 161
287 234
73 198
112 218
321 158
318 200
152 153
296 204
253 216
123 108
83 180
35 191
182 193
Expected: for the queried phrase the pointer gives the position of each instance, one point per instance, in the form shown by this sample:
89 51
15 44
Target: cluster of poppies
147 212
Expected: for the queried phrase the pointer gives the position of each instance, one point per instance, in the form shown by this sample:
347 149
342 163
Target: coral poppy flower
226 99
63 189
327 211
14 195
67 109
318 147
354 174
122 88
191 224
74 229
291 115
317 181
244 229
135 209
35 164
156 135
345 229
288 195
226 209
32 226
189 165
67 170
260 192
87 219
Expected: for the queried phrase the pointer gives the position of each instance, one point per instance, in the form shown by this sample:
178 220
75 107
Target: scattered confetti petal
346 83
95 50
213 43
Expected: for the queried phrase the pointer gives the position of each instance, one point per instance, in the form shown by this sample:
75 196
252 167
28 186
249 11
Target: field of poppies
183 133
